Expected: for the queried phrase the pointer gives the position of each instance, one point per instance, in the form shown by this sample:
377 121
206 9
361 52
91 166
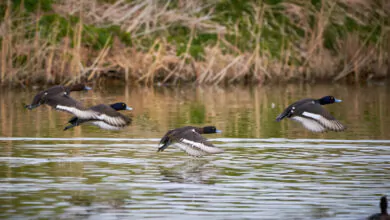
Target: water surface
269 170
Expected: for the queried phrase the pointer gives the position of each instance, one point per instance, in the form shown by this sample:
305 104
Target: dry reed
258 47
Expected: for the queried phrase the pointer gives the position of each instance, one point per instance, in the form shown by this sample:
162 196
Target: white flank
82 114
103 125
312 115
310 124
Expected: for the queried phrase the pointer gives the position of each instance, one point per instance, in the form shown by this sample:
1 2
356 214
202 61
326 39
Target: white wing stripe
312 115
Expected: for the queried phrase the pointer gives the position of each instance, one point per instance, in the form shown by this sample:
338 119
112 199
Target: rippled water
269 170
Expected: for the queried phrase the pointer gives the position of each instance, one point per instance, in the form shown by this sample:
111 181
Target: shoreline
109 82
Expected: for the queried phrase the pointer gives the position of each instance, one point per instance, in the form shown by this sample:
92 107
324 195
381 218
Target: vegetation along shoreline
203 42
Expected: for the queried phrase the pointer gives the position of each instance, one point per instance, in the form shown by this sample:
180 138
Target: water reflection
125 178
240 112
191 171
86 205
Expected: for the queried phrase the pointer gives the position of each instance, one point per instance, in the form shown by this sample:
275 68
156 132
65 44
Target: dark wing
57 101
68 104
106 109
315 112
55 90
171 136
192 135
37 98
49 96
166 140
287 112
41 97
37 101
313 108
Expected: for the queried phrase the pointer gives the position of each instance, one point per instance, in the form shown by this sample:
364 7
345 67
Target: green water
269 170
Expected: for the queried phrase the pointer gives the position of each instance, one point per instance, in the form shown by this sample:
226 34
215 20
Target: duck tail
73 123
383 205
281 116
73 120
163 147
70 126
31 106
164 143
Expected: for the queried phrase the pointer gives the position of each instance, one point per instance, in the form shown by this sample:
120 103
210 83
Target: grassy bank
207 42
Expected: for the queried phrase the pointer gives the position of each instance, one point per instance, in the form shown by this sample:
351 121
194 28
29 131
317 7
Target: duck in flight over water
311 114
53 93
190 140
104 116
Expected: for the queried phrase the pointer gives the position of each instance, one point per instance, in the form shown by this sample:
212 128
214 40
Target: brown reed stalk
5 53
359 59
99 59
77 68
148 76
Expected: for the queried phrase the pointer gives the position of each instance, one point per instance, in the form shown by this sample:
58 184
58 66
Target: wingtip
279 118
69 127
30 107
160 148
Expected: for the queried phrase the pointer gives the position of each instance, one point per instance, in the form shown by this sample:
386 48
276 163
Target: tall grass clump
207 42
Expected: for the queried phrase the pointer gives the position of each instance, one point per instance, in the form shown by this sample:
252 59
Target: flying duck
104 116
312 115
190 140
56 91
383 215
